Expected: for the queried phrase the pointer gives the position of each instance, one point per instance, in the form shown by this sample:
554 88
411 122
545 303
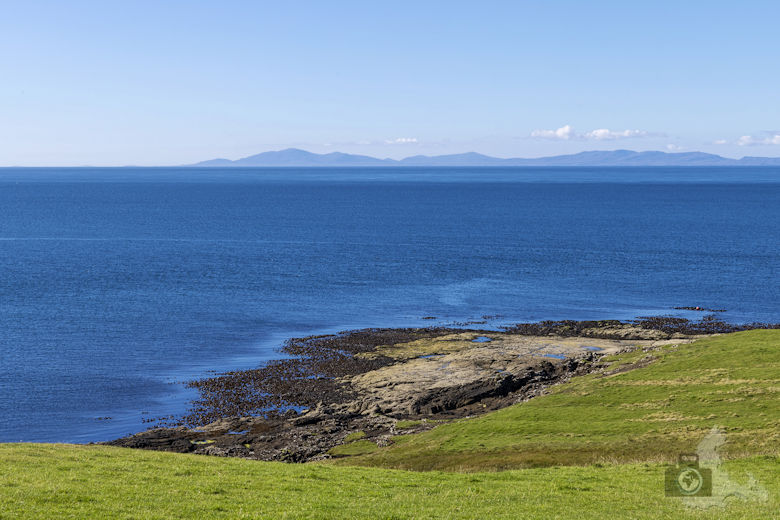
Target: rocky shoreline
373 384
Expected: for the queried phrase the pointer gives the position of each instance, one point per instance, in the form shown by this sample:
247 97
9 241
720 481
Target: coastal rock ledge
341 394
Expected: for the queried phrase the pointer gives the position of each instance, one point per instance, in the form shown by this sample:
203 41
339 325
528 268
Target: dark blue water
117 285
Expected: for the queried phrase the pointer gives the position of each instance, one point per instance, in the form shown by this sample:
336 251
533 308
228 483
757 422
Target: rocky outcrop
361 385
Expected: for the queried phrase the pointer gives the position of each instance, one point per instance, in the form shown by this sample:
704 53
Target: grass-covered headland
594 447
645 405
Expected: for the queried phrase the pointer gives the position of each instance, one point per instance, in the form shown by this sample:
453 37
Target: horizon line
400 162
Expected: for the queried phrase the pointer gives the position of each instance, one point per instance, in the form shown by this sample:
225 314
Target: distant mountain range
302 158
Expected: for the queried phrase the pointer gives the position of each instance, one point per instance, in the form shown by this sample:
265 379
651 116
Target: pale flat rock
453 371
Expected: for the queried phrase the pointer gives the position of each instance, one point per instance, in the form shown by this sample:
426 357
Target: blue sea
119 285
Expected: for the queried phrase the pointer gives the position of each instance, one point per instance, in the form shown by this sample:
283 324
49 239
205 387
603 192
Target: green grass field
57 481
594 448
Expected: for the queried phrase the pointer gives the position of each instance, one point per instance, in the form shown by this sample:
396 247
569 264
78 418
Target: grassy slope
648 414
56 481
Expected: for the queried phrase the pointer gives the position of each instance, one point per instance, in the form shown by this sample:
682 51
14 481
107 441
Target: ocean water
118 285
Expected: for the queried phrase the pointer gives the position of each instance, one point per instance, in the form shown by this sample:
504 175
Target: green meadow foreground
56 481
596 447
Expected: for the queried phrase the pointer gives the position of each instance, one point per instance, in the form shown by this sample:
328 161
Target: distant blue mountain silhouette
296 157
302 158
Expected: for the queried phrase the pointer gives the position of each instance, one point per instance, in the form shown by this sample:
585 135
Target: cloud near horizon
751 140
375 142
402 140
567 133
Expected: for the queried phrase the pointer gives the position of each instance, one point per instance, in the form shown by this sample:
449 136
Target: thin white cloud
567 133
402 140
603 134
564 133
720 141
363 142
673 147
369 142
751 140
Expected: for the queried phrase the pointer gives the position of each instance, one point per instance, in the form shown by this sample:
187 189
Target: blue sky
173 82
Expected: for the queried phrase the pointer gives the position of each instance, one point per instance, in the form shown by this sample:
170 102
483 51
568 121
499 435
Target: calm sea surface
116 285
